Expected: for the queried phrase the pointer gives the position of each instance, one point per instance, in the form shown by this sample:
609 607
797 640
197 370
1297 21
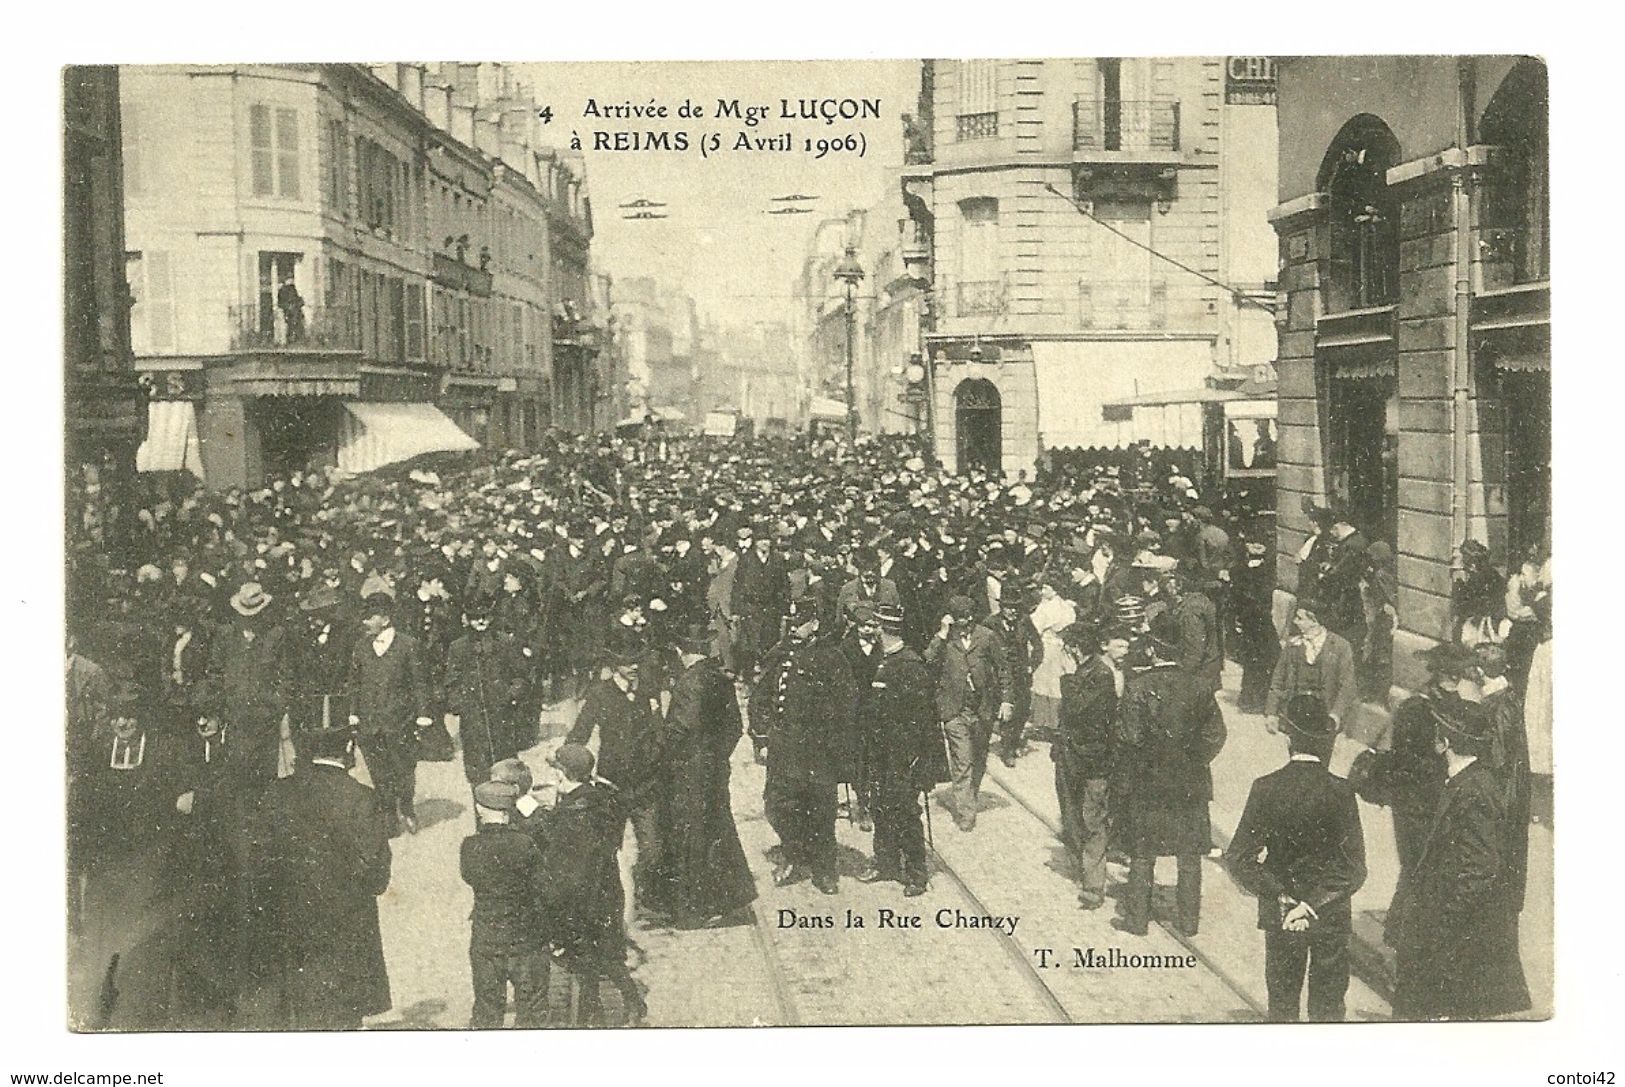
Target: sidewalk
1251 751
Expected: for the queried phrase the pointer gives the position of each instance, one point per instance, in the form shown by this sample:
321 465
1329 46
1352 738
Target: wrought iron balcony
268 328
1117 125
979 297
977 126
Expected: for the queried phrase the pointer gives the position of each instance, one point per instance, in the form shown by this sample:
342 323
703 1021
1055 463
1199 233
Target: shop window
1363 462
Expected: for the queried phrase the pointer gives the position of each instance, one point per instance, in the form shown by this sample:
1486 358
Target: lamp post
848 271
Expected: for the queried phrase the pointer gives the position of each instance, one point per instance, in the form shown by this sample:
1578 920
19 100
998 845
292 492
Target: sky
719 244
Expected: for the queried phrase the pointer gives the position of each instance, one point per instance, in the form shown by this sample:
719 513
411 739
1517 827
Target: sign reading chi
1249 81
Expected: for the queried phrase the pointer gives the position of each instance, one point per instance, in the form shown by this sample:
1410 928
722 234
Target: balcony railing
258 328
979 297
1114 125
977 126
1144 304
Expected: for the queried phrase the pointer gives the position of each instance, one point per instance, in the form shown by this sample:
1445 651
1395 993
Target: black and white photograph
859 542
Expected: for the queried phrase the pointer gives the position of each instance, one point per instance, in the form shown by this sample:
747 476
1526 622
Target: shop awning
1077 378
720 424
373 435
824 407
172 442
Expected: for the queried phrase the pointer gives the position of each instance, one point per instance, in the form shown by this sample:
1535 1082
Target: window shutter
978 86
259 135
287 153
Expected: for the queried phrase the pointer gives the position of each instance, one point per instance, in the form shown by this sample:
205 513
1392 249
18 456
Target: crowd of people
872 623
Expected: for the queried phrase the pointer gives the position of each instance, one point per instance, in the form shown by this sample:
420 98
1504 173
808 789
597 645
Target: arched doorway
978 426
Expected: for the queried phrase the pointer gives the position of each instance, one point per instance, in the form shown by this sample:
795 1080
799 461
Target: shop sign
171 384
1249 81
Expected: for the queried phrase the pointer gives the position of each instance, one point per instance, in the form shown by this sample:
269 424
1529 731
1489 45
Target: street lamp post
848 271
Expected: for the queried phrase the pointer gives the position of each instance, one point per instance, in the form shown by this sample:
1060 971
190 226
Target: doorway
1364 461
978 426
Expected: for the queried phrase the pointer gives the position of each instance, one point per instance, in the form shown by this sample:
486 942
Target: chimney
437 102
462 118
487 133
412 85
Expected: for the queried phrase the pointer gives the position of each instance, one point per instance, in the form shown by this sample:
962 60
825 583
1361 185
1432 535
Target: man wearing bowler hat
389 704
974 689
1299 848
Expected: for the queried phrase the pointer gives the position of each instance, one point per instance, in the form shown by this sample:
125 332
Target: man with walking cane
909 757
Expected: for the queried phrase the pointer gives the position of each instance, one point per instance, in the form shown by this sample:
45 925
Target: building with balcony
104 406
1042 310
1414 314
322 257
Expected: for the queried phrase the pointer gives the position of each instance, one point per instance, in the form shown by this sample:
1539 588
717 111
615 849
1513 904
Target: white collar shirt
382 641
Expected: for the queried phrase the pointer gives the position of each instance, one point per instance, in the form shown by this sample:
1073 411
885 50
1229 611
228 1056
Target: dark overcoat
806 700
1457 930
248 688
485 687
581 895
631 740
1169 729
318 859
908 751
708 870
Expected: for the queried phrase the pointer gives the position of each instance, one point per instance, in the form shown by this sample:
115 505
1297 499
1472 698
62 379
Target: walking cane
930 839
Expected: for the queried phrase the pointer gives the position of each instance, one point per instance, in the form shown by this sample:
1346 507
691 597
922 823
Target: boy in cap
1082 750
1299 848
503 865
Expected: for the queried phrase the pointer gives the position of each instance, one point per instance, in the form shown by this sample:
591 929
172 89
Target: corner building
1413 315
1038 315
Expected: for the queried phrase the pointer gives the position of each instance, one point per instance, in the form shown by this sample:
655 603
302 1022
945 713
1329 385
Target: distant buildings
336 263
1039 316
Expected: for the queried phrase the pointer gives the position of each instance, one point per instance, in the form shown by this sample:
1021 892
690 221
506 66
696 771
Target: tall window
978 116
414 321
1121 290
336 182
1515 209
132 122
152 318
981 280
274 151
1364 216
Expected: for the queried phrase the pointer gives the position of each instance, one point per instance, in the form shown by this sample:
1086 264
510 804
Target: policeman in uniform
806 699
907 757
860 645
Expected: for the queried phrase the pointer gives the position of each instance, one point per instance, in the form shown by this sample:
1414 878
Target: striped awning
373 435
172 443
1524 362
1368 369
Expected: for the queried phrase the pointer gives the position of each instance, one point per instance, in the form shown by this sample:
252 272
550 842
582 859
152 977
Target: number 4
545 115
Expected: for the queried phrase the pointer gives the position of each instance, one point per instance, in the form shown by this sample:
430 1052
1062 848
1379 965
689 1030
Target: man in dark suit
485 688
974 690
905 759
247 688
632 757
1456 933
1083 752
806 699
389 702
317 861
868 587
1022 648
760 599
1300 849
860 645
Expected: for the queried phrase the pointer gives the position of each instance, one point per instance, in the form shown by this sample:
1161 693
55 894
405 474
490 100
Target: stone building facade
1413 315
1039 315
